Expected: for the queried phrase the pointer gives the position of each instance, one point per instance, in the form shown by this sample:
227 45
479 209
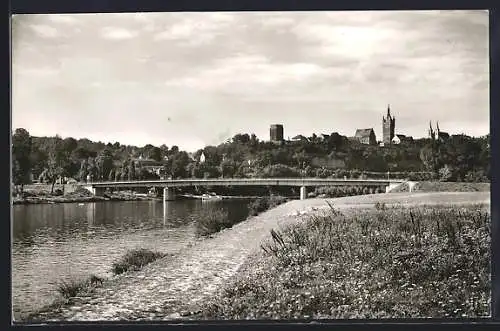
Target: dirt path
161 290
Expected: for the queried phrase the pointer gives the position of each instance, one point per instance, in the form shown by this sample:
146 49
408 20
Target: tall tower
388 125
276 132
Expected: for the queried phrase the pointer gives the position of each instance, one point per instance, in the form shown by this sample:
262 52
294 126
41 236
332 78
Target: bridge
169 185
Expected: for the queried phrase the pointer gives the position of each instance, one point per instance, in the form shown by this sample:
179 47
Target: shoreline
257 227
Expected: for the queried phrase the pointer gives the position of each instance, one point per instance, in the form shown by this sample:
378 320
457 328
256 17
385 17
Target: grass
429 261
72 288
134 260
428 186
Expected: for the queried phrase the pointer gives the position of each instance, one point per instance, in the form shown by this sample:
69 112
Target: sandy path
162 289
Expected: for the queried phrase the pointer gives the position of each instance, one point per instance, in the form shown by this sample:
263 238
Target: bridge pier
168 194
97 191
303 193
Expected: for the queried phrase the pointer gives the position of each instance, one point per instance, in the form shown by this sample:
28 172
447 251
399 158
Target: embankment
40 194
174 287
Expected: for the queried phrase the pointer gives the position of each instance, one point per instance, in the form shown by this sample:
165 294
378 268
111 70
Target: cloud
115 33
45 31
63 19
197 28
248 74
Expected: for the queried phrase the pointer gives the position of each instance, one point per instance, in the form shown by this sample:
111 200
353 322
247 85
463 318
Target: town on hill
439 156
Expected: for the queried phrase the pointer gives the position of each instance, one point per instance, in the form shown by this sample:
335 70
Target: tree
174 149
156 154
124 171
131 170
92 169
105 163
179 164
57 164
38 161
83 171
241 138
111 176
21 157
228 168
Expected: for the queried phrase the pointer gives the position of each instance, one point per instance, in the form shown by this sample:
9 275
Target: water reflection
73 240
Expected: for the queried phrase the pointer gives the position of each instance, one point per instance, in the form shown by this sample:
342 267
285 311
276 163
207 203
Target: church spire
388 110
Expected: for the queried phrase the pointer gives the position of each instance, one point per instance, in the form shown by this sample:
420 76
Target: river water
56 242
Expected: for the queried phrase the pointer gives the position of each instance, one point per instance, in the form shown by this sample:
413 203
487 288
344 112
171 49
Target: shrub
72 288
212 221
135 259
262 204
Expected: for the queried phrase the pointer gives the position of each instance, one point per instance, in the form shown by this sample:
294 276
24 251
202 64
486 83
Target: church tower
388 125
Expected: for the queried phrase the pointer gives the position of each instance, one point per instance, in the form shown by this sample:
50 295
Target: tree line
47 159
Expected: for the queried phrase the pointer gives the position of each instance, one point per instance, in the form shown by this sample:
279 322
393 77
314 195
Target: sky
197 79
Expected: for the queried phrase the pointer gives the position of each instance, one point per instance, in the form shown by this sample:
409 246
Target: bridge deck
249 182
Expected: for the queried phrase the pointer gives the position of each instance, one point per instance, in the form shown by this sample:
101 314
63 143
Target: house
366 136
150 165
443 136
300 138
396 140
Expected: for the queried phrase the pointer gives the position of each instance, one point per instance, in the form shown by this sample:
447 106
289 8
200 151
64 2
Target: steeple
388 110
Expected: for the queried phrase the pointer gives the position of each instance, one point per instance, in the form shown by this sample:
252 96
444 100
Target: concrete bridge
170 184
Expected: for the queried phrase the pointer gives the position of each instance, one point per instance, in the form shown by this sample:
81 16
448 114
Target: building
150 165
388 126
300 138
202 157
366 136
276 132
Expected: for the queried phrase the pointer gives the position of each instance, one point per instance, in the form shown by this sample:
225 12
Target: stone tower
388 125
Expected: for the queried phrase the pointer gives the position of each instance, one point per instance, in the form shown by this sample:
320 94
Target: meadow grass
396 262
134 260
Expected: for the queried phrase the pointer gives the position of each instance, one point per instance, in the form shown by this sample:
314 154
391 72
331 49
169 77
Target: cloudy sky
192 79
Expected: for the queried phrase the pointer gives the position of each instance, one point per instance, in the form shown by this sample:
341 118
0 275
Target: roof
299 137
401 136
363 132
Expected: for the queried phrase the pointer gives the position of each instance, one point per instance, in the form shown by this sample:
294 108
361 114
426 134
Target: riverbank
172 288
78 197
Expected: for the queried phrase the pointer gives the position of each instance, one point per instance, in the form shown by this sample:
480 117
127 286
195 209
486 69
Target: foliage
21 162
379 263
459 158
213 220
135 259
262 204
72 288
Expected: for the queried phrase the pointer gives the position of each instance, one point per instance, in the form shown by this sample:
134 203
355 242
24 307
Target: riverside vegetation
427 261
215 220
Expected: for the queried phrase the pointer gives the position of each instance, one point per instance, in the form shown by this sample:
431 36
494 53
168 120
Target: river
56 242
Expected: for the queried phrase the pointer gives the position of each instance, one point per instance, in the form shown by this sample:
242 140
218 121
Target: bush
262 204
135 259
385 263
73 288
212 221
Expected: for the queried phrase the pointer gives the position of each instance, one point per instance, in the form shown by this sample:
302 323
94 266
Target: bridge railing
236 181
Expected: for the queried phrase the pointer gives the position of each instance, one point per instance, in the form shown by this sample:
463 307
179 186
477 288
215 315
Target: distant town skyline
197 79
